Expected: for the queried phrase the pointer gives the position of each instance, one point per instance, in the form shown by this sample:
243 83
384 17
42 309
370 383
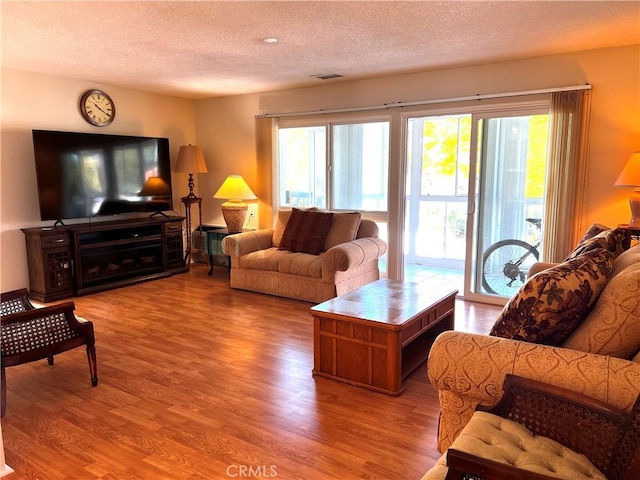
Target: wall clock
97 108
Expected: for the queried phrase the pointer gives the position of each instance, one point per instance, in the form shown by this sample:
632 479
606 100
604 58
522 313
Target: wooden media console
83 258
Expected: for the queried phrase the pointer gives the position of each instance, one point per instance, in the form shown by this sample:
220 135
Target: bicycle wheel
505 266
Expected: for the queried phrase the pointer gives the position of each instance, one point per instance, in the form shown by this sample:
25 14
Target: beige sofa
348 259
600 358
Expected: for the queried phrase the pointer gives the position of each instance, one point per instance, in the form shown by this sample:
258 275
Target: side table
215 234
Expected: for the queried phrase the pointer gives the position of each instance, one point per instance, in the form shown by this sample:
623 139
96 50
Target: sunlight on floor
445 276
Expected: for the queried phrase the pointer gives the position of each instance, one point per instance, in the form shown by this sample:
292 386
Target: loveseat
599 356
309 255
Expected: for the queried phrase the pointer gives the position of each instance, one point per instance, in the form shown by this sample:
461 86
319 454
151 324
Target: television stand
85 258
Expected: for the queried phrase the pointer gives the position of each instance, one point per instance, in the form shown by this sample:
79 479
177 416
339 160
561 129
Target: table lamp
157 188
190 160
630 177
234 211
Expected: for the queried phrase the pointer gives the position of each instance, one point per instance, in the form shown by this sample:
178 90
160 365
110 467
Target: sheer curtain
566 172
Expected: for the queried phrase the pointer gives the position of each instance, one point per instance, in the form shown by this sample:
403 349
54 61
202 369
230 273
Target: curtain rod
427 102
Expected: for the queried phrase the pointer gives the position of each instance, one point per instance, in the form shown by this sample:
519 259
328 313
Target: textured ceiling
210 48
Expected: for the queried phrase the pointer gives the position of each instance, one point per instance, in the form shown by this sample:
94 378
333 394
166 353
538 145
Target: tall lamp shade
630 177
190 160
234 210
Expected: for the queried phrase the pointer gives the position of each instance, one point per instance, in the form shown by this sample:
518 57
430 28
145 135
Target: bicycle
506 263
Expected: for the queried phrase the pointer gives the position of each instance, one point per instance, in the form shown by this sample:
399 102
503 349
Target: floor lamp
190 160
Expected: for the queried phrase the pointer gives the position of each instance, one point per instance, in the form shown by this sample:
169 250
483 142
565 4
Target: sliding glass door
436 192
512 153
474 197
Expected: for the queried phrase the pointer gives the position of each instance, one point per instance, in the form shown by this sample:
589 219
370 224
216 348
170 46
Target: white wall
33 101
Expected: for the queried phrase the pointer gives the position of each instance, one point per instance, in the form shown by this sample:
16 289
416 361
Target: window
353 177
438 157
302 163
360 166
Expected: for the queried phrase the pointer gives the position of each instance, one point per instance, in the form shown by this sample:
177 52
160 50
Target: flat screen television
86 174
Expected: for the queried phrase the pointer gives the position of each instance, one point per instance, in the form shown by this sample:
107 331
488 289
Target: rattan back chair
28 334
608 437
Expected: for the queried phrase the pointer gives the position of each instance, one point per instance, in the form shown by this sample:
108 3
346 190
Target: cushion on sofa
612 327
550 305
593 230
265 259
612 240
368 228
508 442
303 264
306 231
281 224
344 227
626 259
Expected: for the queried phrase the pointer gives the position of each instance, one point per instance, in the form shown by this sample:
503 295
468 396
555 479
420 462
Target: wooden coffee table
376 335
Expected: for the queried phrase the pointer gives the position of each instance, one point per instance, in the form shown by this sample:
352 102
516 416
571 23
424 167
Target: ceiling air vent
327 76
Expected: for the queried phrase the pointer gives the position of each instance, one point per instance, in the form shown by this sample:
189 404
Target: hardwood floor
198 381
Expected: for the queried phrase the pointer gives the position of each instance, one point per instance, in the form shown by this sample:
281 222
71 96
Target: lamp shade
234 188
630 175
155 187
190 160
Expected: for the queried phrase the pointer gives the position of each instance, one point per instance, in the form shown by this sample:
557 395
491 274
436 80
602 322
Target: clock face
97 108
